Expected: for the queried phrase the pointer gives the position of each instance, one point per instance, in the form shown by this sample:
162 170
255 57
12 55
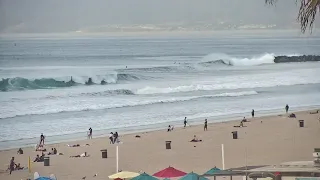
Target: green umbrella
144 176
213 171
193 176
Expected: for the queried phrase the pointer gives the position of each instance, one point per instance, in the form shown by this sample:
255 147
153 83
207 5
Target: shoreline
81 136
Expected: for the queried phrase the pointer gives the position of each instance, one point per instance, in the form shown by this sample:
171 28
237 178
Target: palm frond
307 12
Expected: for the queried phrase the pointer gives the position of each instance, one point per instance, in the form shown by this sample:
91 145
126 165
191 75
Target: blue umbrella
144 176
43 178
193 176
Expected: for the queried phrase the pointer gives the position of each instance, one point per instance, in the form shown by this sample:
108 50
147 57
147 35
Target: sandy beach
265 141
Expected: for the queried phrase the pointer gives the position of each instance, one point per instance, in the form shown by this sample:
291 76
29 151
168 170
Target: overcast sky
71 15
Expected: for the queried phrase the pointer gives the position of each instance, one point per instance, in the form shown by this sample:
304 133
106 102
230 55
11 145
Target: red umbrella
169 172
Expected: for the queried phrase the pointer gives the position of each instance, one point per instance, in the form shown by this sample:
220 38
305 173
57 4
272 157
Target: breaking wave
268 58
20 83
133 103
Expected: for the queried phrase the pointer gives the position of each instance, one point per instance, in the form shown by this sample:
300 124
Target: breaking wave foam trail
20 83
217 58
78 107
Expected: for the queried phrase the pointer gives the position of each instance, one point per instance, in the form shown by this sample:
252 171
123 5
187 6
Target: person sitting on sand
18 167
40 147
53 151
38 158
20 151
75 145
244 119
81 155
292 115
195 139
241 124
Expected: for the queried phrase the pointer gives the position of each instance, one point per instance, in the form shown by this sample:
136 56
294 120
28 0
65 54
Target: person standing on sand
185 122
205 125
287 108
11 166
41 139
252 113
90 133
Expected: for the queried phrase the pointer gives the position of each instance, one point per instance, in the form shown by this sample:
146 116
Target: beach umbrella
213 171
144 176
193 176
124 175
43 178
169 172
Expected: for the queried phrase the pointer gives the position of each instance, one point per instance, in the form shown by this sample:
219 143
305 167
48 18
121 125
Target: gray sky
71 15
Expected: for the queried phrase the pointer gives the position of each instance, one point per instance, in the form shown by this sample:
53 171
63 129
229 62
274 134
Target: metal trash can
46 161
235 134
104 153
168 144
301 123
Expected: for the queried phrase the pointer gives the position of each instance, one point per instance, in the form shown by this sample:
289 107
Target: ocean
149 82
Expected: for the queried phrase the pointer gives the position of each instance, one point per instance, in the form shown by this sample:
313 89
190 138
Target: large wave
20 83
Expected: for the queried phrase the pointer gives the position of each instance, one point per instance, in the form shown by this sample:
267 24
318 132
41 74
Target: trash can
235 134
301 123
104 153
168 144
46 161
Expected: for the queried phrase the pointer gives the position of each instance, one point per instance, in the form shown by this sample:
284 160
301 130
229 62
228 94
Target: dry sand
266 141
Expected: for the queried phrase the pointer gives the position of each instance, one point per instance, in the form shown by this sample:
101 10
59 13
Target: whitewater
147 83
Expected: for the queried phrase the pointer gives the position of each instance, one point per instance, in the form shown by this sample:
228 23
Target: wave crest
20 83
141 102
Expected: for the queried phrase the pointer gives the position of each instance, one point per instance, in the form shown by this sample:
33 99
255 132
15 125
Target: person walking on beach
185 122
205 125
287 108
11 166
252 113
41 139
111 138
90 133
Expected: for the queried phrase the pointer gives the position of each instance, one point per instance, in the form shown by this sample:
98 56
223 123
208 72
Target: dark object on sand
235 134
314 112
104 153
138 136
292 115
46 161
168 144
301 123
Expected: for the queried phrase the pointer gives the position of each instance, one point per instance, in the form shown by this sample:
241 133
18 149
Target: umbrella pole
117 157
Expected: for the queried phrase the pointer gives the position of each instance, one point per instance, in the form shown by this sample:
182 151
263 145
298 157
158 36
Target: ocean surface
150 81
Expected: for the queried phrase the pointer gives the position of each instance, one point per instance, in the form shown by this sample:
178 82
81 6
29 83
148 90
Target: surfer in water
89 82
103 82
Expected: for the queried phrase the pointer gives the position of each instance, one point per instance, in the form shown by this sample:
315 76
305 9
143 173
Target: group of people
114 137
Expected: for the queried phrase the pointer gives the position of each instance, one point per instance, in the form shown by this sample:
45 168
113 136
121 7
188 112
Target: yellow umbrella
124 175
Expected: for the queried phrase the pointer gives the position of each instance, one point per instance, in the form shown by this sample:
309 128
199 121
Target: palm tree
307 12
